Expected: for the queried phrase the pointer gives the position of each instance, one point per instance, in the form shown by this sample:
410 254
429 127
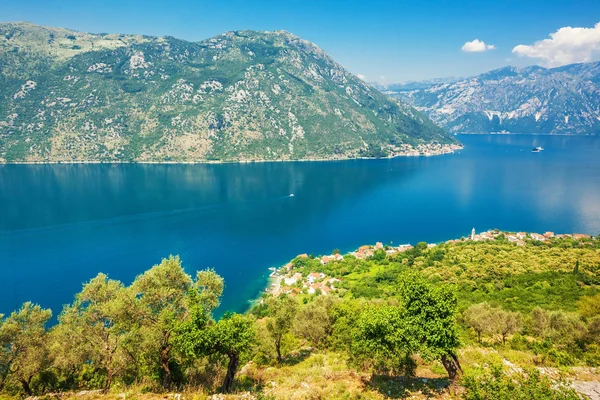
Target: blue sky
389 41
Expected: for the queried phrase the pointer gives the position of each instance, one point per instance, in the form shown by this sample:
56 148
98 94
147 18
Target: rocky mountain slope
72 96
563 100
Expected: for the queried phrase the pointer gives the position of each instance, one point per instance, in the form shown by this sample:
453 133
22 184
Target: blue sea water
62 224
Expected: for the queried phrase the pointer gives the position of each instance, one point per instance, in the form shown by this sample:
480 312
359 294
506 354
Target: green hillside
469 320
247 95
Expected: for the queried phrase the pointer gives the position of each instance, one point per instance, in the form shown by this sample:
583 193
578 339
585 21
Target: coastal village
424 149
287 281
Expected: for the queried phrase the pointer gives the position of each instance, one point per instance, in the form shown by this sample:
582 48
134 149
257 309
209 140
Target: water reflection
61 224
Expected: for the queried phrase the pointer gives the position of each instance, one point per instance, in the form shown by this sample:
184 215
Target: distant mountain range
413 85
563 100
247 95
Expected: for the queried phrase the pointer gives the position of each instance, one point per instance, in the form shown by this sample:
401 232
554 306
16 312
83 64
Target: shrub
494 384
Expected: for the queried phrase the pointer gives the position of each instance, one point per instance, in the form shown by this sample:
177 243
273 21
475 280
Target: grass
326 375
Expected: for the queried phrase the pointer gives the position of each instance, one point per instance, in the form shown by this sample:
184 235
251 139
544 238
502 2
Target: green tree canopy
381 342
23 350
281 316
91 330
430 313
162 303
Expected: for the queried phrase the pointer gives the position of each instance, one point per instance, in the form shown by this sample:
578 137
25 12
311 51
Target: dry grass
308 375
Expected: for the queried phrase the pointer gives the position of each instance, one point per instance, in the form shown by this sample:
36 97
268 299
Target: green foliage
162 300
495 385
589 306
281 311
430 312
381 341
492 321
502 290
314 321
92 330
23 345
386 313
248 96
232 336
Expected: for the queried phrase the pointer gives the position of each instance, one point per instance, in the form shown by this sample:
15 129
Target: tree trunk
26 387
234 360
278 347
164 362
452 366
109 375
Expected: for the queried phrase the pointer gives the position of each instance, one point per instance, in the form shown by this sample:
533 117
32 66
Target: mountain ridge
533 99
239 96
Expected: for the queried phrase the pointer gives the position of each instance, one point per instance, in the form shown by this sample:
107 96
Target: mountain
563 100
413 85
247 95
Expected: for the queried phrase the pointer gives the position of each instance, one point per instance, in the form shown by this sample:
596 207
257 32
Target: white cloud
361 76
477 46
566 46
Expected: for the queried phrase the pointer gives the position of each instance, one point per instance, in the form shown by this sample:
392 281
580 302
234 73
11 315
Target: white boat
292 195
537 149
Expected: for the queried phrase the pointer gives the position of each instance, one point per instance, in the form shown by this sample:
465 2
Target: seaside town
286 280
425 149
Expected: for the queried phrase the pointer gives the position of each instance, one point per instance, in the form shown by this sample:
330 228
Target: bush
494 384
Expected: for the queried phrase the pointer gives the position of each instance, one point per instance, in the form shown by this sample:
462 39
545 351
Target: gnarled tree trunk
278 347
164 363
26 387
452 366
234 360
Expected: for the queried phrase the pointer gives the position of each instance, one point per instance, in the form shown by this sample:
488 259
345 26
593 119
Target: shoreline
446 149
523 134
274 287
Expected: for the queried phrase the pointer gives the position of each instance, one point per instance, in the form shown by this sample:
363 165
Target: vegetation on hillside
247 95
488 320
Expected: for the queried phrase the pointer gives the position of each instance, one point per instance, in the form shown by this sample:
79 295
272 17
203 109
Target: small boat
292 195
537 149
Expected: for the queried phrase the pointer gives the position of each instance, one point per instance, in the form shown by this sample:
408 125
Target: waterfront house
290 281
315 276
538 237
364 252
579 236
312 289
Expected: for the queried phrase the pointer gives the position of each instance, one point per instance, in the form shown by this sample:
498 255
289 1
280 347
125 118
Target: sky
381 41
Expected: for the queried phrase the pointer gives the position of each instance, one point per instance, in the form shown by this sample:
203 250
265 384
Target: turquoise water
62 224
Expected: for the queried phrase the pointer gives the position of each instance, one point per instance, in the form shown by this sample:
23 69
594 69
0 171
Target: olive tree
504 323
381 341
201 336
279 322
430 314
314 320
23 350
479 318
161 294
91 330
589 306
